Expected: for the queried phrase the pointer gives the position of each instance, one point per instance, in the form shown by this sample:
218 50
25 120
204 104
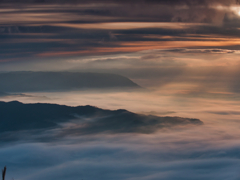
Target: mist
66 112
209 151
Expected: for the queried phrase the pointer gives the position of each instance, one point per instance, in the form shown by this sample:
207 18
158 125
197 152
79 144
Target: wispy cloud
103 28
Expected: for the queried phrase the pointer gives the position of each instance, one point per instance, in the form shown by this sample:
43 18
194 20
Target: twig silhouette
4 173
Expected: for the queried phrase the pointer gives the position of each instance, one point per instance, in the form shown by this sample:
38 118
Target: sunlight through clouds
123 90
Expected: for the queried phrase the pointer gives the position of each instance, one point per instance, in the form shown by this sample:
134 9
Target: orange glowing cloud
144 45
130 25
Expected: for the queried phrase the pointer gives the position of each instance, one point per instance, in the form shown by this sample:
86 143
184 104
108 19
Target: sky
184 54
61 29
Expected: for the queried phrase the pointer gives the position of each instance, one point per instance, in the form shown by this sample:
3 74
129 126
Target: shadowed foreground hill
61 81
18 117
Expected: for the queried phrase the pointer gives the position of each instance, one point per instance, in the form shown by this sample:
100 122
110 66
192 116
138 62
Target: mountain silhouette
16 117
61 81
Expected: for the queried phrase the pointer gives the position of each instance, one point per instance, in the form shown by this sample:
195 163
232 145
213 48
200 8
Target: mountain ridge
16 116
30 81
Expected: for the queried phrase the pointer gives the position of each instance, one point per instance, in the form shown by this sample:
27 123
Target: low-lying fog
209 151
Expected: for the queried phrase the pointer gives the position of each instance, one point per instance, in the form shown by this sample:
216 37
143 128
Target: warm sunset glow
120 90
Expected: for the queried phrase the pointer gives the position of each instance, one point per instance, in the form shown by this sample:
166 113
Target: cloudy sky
183 53
47 30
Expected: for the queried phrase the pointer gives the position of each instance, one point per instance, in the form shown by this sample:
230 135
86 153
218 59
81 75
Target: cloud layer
53 30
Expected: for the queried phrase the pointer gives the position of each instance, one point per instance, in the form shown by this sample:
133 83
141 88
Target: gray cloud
172 2
49 42
45 35
224 112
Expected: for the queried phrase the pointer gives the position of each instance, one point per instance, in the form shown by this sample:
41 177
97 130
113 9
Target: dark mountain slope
61 81
16 116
